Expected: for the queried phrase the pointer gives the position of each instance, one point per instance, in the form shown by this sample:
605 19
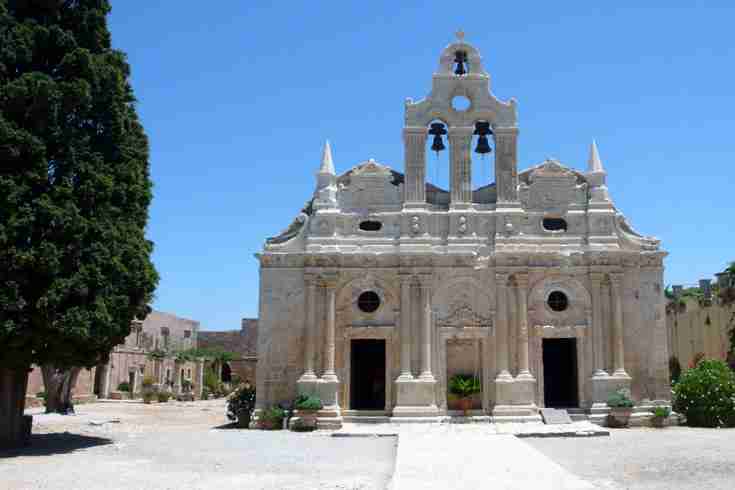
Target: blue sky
238 99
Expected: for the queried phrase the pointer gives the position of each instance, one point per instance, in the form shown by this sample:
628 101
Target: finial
460 35
327 166
594 164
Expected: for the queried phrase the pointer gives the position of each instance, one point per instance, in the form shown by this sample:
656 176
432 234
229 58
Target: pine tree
75 265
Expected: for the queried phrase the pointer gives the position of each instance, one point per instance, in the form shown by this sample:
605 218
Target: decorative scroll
461 315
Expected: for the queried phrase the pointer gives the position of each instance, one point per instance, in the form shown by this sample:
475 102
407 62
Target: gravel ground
672 458
179 445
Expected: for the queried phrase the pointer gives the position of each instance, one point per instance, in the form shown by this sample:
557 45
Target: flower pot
619 417
658 422
465 404
243 420
306 420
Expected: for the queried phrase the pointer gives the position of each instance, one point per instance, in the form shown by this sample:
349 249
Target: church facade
385 286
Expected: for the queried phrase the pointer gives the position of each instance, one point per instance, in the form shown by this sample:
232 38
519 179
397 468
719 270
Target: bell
483 146
482 129
437 130
460 57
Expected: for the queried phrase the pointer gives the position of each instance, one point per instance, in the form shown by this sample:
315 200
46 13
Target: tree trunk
59 384
14 427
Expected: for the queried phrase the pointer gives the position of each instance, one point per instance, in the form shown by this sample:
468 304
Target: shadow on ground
59 443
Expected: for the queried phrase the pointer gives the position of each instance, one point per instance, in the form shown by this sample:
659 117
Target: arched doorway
226 373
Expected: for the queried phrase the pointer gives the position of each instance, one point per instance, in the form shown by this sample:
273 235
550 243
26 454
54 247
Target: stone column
460 140
597 325
414 187
426 330
309 328
616 280
523 369
506 166
329 372
406 284
501 335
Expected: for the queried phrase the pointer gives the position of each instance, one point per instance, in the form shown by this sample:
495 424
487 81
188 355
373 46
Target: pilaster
460 140
414 187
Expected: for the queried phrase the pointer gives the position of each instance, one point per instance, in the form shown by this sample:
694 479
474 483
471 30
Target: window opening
554 224
460 59
558 301
368 302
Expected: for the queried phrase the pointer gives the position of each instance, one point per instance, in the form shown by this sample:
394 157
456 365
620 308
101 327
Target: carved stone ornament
462 315
415 225
462 228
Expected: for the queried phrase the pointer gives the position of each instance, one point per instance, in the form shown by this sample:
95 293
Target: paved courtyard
118 445
177 446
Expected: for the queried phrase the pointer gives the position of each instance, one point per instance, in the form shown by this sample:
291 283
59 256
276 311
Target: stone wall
699 329
243 343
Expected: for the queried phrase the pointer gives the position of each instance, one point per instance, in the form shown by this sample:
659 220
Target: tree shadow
57 443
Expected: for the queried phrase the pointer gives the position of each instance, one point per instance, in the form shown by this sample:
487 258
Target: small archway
226 376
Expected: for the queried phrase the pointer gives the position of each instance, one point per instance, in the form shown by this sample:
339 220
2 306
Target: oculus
368 302
558 301
370 225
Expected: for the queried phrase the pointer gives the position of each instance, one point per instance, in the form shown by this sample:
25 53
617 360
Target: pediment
371 167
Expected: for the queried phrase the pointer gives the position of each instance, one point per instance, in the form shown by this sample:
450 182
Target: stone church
385 285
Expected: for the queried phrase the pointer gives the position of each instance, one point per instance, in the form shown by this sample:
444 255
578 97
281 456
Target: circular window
368 302
558 301
460 103
554 224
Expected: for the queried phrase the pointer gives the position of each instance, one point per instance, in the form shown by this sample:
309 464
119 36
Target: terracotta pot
619 417
658 422
465 404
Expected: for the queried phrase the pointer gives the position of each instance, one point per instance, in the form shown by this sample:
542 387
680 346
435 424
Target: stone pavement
475 456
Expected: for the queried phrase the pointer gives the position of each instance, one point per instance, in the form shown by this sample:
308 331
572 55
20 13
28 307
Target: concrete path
433 458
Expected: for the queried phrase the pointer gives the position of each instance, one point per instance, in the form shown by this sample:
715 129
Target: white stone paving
472 456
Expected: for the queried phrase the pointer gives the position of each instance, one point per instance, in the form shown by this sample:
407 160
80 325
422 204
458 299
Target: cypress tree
75 265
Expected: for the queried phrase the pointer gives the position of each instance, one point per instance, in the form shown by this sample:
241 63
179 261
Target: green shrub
210 380
274 415
620 399
163 396
661 412
148 396
308 402
41 395
464 385
124 386
705 394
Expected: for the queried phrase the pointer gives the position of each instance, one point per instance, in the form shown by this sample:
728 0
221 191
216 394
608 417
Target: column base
524 390
604 386
415 397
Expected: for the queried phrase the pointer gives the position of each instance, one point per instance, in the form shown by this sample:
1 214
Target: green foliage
620 399
273 415
705 394
211 382
75 264
674 369
148 381
241 403
41 395
464 385
661 412
308 402
124 386
186 385
148 396
209 353
163 396
157 354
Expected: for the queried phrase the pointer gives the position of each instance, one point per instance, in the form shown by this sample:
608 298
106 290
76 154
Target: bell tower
460 74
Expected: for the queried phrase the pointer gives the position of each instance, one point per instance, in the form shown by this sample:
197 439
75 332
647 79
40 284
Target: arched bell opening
482 153
437 155
461 63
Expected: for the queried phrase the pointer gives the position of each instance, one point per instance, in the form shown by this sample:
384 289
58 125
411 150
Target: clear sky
237 98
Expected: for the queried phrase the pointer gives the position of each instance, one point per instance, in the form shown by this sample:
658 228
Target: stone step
366 419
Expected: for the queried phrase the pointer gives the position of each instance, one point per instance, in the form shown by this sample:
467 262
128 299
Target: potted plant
271 418
241 404
148 391
307 407
660 414
163 396
464 386
621 407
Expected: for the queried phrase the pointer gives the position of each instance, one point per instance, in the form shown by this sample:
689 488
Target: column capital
415 131
406 278
460 131
424 281
616 278
501 279
505 131
521 279
328 280
597 278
